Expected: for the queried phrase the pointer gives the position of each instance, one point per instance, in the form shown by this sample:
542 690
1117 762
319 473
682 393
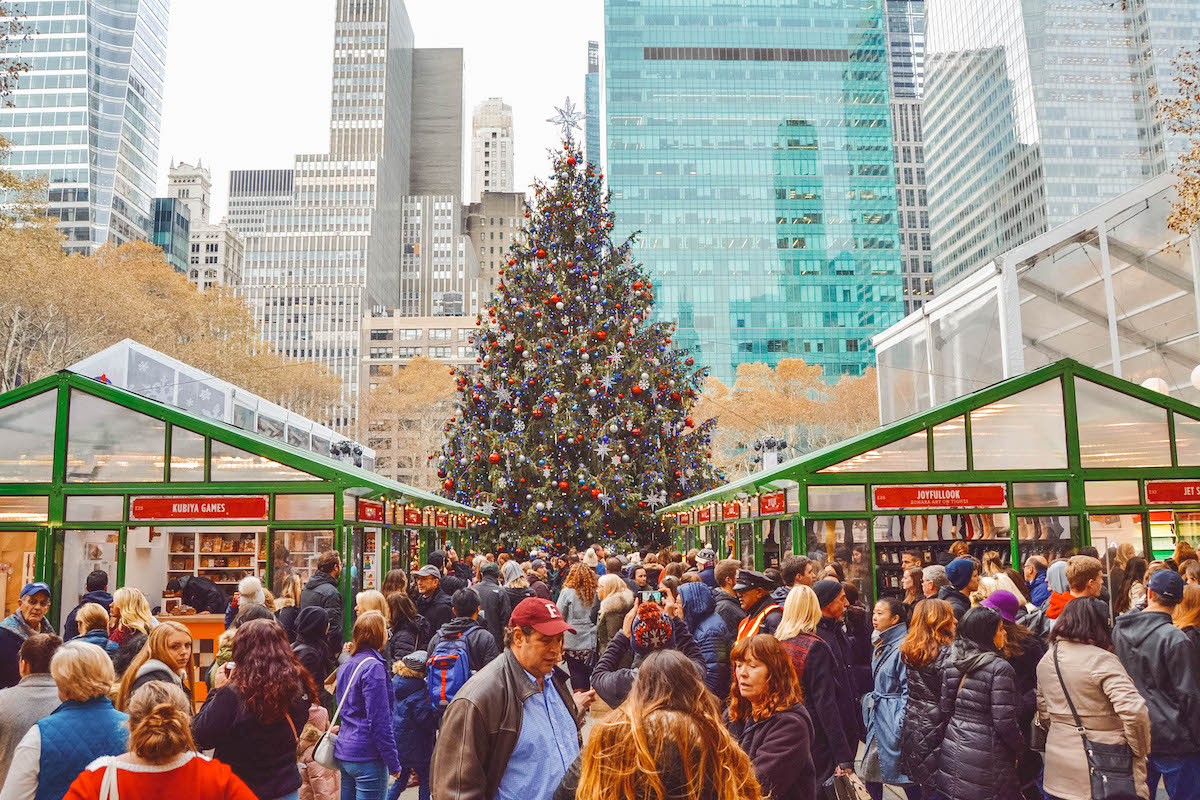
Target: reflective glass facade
172 230
751 145
1037 112
87 114
591 105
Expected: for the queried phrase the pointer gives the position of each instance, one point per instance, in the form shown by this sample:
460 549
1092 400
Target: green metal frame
328 477
804 472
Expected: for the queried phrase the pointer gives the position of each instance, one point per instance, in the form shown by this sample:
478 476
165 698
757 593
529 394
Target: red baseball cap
541 615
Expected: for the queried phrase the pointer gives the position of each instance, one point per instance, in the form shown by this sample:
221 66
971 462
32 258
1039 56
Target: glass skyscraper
591 105
173 230
751 145
1037 112
86 116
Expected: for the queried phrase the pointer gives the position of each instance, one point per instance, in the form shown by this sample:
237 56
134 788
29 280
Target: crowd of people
471 679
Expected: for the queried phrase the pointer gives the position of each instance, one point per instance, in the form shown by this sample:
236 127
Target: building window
381 335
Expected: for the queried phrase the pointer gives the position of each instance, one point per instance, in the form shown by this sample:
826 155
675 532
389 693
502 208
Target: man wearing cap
432 603
517 711
493 601
28 619
964 579
763 614
706 565
1165 668
831 597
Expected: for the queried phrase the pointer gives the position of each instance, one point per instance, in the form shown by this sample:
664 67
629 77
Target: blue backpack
449 669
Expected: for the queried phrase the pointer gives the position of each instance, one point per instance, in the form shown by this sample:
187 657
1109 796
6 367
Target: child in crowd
414 721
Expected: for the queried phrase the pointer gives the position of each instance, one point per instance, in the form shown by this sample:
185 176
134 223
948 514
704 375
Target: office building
753 150
254 192
491 148
86 115
439 274
437 122
591 106
1036 113
906 67
216 252
493 224
172 227
320 264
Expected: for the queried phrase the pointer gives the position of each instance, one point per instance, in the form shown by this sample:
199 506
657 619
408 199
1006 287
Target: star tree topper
567 118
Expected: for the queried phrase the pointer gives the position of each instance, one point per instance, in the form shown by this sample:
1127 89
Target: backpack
449 669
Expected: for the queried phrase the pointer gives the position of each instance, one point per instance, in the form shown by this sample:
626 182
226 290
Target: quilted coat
921 733
883 707
708 629
978 759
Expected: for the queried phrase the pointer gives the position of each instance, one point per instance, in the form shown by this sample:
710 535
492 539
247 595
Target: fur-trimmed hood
617 601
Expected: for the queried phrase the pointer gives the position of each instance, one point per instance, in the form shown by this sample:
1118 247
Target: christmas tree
575 425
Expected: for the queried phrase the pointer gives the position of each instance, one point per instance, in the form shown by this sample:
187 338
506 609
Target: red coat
190 775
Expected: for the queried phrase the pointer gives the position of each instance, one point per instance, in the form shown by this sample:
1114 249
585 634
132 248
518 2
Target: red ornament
601 335
449 483
537 413
636 390
636 431
571 160
540 253
494 458
563 485
691 423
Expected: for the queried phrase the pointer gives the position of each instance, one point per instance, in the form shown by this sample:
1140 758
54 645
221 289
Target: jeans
1180 775
364 780
402 783
911 791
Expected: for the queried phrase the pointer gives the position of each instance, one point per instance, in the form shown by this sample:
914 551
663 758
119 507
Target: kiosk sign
1160 492
704 515
773 503
370 511
146 508
731 510
412 516
683 518
975 495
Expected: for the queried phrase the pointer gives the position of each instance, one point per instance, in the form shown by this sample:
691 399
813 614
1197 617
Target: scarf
17 625
1058 601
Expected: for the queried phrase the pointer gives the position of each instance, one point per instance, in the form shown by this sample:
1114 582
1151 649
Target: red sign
683 518
704 515
731 510
198 507
773 503
442 518
1160 492
370 511
977 495
412 516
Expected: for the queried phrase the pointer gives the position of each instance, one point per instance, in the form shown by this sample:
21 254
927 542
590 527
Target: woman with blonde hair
166 656
615 602
91 620
129 615
575 603
769 720
666 742
287 605
371 600
831 705
85 727
162 760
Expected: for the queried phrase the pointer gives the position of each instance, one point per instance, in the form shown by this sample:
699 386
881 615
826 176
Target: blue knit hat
959 572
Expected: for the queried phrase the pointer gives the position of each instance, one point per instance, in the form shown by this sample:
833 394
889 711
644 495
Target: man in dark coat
322 592
27 620
763 612
493 600
432 603
729 607
706 565
1035 576
97 592
964 579
832 598
481 647
200 593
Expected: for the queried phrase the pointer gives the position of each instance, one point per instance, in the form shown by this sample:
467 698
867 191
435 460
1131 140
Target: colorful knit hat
652 628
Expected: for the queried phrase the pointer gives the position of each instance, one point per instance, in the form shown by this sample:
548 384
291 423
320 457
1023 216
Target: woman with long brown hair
1187 614
166 656
911 583
923 653
162 760
769 720
666 742
575 603
252 718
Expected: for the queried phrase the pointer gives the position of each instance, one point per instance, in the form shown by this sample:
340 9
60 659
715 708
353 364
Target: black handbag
1110 766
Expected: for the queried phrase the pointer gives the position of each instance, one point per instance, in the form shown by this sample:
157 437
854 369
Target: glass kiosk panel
27 439
1050 536
745 531
777 542
1024 431
845 542
1116 430
18 549
112 444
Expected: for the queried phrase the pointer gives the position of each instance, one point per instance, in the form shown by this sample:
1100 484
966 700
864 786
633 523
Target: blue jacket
414 722
884 706
366 712
101 640
708 576
710 633
75 735
1039 589
100 597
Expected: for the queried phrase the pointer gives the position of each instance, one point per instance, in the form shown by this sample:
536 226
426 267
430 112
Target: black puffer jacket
780 748
921 733
728 609
437 611
494 603
321 591
959 601
978 758
833 634
408 638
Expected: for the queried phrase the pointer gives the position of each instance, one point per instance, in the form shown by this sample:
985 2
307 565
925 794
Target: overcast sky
248 80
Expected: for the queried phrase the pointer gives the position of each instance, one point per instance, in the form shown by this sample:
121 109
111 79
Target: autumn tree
1180 116
406 416
792 401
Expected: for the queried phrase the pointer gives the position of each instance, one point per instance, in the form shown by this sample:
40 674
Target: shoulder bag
323 751
1110 766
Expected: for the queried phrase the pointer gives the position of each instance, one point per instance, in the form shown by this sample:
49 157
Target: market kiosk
96 477
1056 459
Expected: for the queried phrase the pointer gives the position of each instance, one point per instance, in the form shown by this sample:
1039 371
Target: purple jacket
366 713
